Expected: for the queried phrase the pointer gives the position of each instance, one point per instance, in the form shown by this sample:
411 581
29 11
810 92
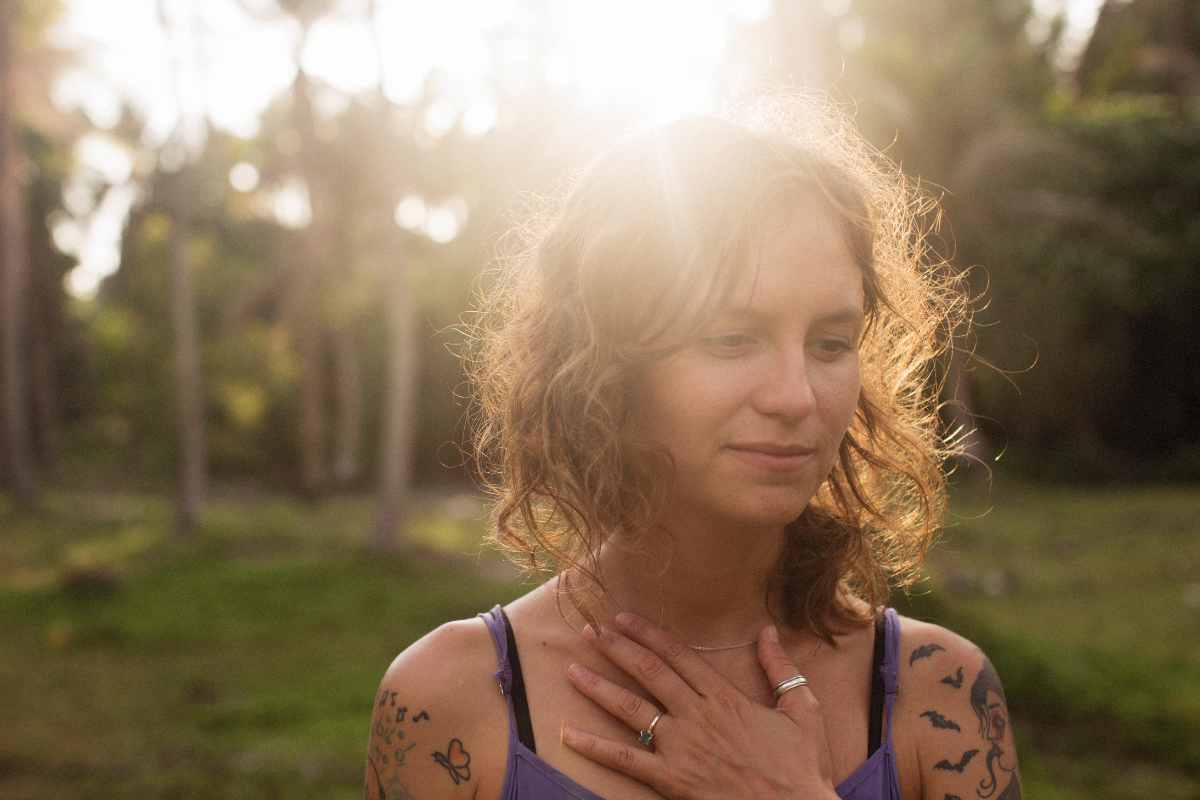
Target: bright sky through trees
659 56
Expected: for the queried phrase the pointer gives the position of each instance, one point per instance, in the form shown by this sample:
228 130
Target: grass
242 664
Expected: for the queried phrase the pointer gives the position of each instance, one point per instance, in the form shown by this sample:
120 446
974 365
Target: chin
774 509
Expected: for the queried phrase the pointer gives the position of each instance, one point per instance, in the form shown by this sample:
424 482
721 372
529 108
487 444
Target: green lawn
244 664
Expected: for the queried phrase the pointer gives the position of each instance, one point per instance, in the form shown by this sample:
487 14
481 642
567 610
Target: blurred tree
188 140
1143 47
14 267
30 131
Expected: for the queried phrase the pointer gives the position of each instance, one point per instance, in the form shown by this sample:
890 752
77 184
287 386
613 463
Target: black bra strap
875 717
520 702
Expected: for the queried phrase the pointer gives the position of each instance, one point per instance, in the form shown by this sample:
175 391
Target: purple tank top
528 777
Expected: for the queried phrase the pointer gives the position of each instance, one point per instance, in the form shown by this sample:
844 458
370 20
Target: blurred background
235 238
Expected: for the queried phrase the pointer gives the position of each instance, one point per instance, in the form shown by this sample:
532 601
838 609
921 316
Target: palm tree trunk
189 393
14 267
395 457
348 423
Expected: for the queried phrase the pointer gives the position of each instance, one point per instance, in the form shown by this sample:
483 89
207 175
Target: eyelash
730 344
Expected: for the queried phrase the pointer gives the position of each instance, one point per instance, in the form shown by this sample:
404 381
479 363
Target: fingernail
567 734
772 634
577 671
589 632
624 619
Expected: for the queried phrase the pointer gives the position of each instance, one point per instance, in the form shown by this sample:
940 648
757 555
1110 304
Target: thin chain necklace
703 648
700 648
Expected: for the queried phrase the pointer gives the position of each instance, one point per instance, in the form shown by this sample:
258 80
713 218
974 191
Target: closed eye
729 344
830 348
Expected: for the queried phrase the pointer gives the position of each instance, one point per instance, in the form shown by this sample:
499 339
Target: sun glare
659 58
651 60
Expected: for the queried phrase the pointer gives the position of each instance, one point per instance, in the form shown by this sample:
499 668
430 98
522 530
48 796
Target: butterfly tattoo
456 760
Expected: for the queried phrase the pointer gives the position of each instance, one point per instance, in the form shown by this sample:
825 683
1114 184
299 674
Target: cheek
840 398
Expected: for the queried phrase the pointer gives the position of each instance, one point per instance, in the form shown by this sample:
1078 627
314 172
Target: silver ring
787 684
646 735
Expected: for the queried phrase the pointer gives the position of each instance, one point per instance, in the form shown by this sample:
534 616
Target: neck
706 583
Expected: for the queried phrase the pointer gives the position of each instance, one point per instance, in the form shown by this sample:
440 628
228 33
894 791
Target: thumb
780 667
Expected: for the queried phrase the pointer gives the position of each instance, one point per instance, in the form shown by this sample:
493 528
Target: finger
779 666
624 757
634 711
686 662
646 667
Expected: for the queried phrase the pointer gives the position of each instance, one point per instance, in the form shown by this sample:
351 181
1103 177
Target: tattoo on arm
955 681
924 651
938 721
957 767
991 711
388 751
456 760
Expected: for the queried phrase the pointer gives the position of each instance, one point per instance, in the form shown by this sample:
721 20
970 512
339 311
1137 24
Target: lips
773 449
773 456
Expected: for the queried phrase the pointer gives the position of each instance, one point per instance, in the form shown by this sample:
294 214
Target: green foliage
142 667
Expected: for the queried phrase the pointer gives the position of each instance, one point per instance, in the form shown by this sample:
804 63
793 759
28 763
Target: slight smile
772 456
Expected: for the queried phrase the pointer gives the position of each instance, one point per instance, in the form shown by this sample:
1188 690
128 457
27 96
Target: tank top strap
890 670
498 628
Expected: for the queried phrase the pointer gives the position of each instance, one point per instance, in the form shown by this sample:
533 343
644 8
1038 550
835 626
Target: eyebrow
847 314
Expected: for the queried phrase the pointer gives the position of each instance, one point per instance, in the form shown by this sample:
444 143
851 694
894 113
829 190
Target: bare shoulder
439 725
953 707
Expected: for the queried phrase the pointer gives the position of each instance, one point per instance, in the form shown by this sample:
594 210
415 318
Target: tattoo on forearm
938 721
991 711
957 767
422 717
924 651
955 681
456 760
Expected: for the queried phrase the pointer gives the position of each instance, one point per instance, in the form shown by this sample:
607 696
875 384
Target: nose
785 389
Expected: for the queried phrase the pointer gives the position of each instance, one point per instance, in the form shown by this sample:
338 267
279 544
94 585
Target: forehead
801 261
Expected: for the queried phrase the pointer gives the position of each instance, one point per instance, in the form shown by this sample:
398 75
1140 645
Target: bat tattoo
960 766
456 760
955 681
938 721
424 715
924 651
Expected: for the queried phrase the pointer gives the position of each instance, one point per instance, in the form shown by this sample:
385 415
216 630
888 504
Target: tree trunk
312 408
348 423
14 267
43 374
395 457
189 392
308 312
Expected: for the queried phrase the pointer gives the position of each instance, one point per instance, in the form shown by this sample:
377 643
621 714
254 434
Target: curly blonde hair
634 258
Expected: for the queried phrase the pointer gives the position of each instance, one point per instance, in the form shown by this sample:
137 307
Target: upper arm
958 711
430 720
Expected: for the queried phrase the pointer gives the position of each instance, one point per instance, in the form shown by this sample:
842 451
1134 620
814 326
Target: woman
707 407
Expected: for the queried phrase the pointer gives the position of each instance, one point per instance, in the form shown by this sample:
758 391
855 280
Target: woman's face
753 410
